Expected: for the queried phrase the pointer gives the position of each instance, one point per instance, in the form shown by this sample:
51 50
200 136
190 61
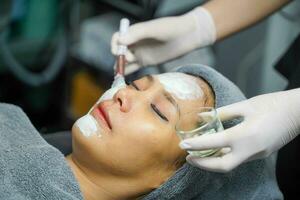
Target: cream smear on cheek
87 124
180 85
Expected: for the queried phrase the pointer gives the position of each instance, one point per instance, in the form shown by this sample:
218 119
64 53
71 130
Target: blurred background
55 58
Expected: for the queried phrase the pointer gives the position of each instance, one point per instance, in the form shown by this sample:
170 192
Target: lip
101 115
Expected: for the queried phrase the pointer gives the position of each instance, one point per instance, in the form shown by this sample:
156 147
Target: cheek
140 126
140 133
135 145
104 153
140 130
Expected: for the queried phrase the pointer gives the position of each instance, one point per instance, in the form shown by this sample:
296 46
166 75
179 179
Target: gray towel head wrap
252 180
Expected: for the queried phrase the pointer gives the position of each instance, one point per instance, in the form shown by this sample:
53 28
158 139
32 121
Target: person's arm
232 16
157 41
270 122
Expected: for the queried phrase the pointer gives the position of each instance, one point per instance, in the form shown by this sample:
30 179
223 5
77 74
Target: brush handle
123 29
121 61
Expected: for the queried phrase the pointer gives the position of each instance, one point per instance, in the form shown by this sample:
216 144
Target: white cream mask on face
180 85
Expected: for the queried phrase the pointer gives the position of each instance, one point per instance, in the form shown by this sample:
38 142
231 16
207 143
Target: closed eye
135 86
156 110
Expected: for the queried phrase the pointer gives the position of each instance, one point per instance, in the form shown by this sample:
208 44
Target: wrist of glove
203 31
278 120
163 39
291 99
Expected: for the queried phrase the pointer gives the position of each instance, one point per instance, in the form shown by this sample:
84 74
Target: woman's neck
104 187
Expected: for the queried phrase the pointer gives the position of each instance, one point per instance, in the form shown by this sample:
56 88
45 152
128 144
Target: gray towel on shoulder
30 168
252 180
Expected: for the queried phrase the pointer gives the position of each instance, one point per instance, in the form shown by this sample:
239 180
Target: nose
123 98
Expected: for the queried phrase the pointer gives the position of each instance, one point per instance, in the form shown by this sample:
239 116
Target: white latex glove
163 39
270 122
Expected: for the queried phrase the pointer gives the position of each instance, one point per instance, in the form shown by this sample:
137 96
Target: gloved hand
163 39
270 122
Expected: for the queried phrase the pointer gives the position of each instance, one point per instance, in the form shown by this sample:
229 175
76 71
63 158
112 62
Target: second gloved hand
163 39
270 122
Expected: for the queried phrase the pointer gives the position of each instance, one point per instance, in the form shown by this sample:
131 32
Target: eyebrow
167 95
149 78
171 99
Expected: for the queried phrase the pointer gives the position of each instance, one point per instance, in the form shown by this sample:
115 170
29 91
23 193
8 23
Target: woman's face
135 132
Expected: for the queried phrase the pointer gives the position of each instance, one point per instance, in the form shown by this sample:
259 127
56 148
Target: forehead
187 90
182 86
